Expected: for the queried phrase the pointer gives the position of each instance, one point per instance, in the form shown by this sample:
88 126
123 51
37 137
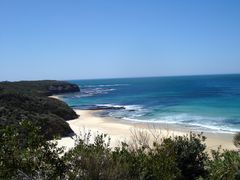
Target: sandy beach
120 130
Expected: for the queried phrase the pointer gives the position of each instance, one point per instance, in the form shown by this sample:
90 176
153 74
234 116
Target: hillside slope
28 100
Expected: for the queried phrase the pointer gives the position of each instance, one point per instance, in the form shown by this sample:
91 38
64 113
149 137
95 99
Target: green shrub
93 160
236 140
25 153
225 165
157 162
191 155
173 158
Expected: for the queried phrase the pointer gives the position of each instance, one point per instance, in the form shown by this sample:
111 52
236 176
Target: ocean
205 103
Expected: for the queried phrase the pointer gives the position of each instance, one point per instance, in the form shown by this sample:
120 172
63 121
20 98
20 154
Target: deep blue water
202 102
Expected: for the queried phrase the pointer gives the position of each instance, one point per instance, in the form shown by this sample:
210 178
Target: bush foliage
236 140
225 165
26 154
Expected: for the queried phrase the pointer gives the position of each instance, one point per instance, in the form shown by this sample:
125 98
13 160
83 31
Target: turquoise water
201 102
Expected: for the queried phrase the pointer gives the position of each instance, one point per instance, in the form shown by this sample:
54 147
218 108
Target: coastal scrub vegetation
236 140
26 154
43 88
29 100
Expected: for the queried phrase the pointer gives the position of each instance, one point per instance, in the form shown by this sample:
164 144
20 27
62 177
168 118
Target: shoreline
55 97
122 130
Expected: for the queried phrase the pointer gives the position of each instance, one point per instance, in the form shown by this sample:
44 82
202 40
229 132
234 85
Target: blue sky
76 39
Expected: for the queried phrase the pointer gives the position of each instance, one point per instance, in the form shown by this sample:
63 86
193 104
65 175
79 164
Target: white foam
106 85
94 91
109 105
133 107
126 107
203 126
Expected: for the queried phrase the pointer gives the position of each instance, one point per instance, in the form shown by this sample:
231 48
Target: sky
81 39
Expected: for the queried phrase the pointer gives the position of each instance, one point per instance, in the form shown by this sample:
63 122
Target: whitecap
196 124
105 85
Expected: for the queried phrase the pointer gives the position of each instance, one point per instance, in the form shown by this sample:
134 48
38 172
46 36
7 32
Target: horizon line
131 77
136 77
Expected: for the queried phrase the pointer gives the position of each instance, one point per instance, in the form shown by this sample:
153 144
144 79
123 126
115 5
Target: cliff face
27 100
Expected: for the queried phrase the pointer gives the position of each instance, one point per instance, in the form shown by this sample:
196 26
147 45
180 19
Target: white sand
54 97
122 130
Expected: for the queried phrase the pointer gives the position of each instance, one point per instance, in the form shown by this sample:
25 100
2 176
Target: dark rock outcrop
102 107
